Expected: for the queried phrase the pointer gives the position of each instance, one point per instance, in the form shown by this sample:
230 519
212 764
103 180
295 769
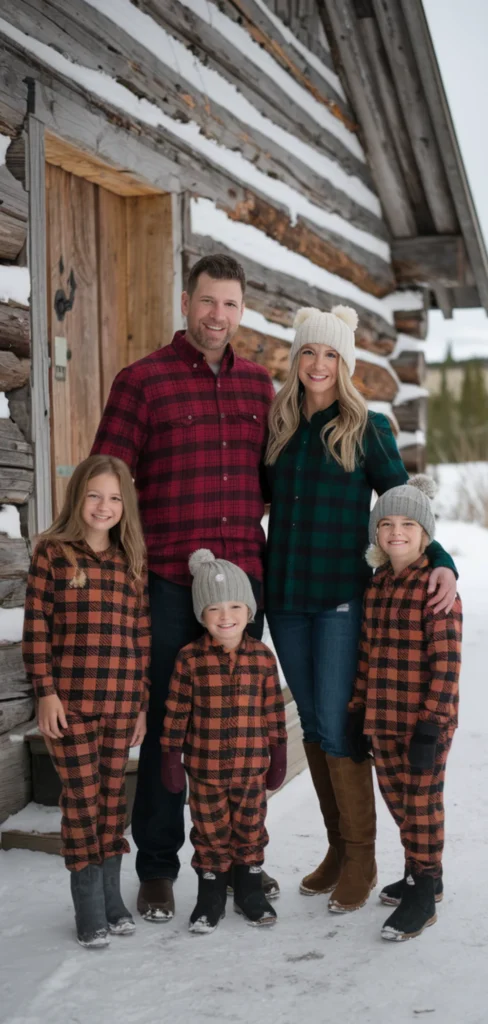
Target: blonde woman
326 455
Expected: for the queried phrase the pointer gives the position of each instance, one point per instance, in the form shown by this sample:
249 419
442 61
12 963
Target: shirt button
226 477
254 417
224 519
189 417
195 365
222 415
296 497
224 444
218 383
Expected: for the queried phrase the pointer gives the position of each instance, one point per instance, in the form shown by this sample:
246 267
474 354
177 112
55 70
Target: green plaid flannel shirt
318 527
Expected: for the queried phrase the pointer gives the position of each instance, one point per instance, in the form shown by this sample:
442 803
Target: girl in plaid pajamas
86 651
225 711
406 697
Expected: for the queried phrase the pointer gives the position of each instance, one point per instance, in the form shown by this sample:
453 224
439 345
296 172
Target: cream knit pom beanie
335 329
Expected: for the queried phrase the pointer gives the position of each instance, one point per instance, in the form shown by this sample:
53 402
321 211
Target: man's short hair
219 267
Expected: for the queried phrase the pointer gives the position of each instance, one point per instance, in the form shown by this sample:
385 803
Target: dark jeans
157 817
318 652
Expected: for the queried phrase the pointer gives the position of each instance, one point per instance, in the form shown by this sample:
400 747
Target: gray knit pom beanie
215 579
412 499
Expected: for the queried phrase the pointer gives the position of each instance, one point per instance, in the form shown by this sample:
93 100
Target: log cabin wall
16 454
263 126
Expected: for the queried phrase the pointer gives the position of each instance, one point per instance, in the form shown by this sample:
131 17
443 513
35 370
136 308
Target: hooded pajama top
88 643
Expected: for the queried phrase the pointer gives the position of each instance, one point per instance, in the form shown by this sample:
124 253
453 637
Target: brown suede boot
327 875
353 788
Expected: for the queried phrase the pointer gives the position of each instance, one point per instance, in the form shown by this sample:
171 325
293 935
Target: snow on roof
102 85
14 284
409 393
5 141
257 322
181 60
245 239
241 39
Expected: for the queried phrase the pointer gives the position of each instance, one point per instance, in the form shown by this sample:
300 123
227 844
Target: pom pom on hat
348 316
424 483
199 558
303 314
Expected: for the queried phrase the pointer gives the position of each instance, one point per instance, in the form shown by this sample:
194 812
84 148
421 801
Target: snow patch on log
207 219
14 284
110 91
241 39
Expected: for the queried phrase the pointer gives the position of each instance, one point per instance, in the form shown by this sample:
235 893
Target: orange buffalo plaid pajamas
224 711
408 670
87 639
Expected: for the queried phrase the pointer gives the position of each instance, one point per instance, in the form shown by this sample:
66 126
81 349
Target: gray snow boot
120 921
89 904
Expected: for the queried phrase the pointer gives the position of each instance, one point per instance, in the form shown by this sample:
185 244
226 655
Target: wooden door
110 301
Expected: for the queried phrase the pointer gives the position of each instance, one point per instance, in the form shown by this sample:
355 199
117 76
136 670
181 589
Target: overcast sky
460 34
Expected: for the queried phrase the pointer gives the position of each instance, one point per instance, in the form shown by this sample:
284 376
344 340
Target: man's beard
204 341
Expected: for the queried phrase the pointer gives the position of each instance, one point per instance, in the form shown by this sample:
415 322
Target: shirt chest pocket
248 428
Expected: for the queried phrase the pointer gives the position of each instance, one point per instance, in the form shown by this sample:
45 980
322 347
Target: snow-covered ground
313 966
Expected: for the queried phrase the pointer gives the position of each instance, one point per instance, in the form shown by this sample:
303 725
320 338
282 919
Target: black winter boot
416 911
89 904
249 896
211 900
392 894
120 920
271 887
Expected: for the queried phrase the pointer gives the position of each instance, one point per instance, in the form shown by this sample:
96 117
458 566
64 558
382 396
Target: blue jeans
157 817
318 652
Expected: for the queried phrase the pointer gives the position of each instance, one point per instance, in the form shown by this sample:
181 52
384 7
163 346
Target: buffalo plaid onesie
408 669
87 639
225 710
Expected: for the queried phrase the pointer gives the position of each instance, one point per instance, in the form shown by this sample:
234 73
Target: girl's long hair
69 527
342 437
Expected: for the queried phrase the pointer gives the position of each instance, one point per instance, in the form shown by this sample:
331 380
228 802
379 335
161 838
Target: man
190 420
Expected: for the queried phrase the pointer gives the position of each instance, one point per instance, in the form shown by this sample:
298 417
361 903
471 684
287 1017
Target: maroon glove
275 776
172 771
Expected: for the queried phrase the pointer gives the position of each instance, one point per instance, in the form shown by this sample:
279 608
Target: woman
326 454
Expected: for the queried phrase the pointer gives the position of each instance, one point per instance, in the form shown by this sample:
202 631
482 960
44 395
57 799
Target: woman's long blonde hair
342 437
69 527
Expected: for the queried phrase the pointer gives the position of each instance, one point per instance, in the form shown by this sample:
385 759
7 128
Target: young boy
406 696
225 712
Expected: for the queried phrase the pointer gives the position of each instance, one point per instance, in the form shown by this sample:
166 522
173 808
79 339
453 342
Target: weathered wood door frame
43 146
40 505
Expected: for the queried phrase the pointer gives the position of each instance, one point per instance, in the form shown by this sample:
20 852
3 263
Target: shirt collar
322 416
422 562
192 356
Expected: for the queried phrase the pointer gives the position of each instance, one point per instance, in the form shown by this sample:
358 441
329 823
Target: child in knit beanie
405 700
225 712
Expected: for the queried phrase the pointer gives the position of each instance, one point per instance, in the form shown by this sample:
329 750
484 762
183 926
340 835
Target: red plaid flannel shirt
194 443
409 658
88 643
224 712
